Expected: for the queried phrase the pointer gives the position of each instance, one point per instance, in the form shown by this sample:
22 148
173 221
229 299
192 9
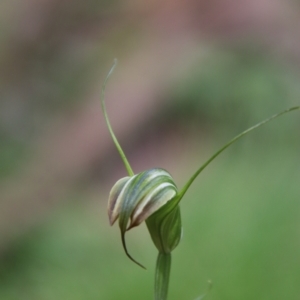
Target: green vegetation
241 220
241 230
191 77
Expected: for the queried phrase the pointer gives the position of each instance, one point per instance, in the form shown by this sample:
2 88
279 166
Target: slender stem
190 181
119 148
162 276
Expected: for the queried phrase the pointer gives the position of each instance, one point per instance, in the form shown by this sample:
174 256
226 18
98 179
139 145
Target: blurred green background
191 75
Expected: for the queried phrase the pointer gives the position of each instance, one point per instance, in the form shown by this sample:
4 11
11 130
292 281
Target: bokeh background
191 75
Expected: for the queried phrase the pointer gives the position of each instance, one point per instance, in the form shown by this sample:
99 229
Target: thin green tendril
119 148
195 175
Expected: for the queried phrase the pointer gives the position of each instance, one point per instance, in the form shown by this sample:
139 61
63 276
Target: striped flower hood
140 196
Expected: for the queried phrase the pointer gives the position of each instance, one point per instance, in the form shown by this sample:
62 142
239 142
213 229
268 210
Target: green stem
121 152
162 276
190 181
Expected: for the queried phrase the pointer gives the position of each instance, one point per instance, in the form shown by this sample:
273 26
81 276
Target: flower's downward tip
127 253
112 217
111 222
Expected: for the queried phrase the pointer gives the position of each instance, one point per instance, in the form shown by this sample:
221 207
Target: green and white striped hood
140 196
